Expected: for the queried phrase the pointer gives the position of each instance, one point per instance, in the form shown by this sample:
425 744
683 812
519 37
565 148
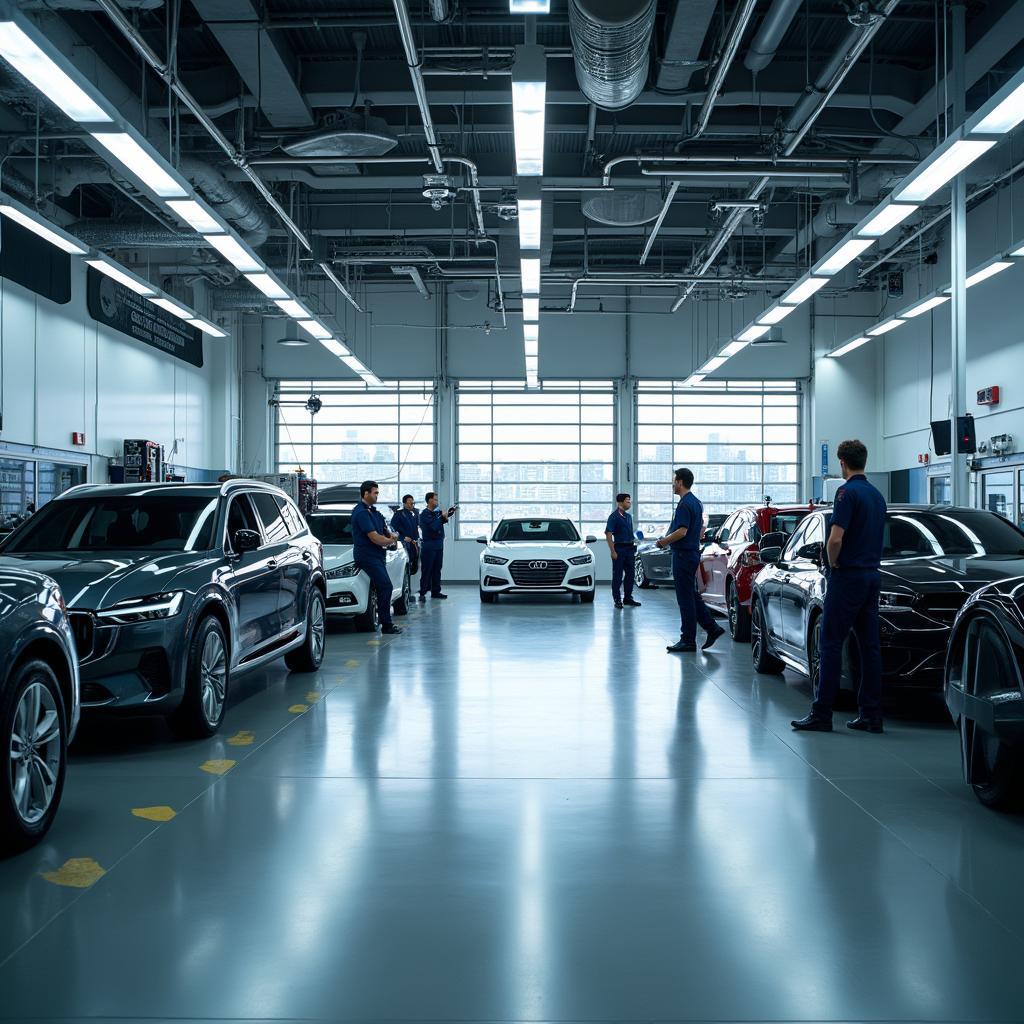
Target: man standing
432 522
684 539
853 559
622 547
406 523
370 538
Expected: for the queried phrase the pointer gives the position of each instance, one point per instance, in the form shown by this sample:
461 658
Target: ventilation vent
350 134
623 207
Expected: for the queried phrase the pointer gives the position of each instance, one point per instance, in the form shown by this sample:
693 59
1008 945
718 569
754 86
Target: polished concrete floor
519 812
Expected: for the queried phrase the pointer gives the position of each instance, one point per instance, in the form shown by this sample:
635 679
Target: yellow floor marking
77 873
297 709
373 643
313 696
154 813
244 738
351 663
218 766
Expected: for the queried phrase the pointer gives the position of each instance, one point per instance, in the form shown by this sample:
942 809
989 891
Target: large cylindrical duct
232 203
120 234
611 41
773 27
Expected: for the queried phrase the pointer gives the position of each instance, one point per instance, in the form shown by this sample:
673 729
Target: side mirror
481 540
771 540
770 555
246 540
639 534
811 552
591 539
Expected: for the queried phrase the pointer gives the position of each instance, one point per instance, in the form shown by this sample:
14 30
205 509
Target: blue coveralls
370 557
685 561
620 526
851 598
431 551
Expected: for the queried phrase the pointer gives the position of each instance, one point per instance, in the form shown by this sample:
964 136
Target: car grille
941 607
83 625
537 573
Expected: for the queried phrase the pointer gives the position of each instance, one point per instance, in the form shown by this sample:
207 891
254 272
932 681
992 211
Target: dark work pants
431 558
414 558
622 571
381 581
692 609
851 603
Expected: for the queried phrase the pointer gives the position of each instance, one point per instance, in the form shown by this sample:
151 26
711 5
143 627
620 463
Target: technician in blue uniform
370 539
622 547
432 521
854 557
684 539
406 524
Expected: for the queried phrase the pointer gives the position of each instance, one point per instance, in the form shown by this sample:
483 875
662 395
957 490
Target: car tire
739 617
764 661
32 700
486 597
401 606
207 675
640 575
588 597
368 621
310 656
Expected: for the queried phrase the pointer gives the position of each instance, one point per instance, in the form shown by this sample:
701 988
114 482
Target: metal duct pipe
834 217
408 269
49 6
239 300
674 282
774 26
439 10
415 73
215 109
120 234
611 40
761 170
734 35
229 201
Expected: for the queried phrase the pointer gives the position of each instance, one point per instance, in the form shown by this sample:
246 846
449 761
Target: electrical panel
297 486
143 461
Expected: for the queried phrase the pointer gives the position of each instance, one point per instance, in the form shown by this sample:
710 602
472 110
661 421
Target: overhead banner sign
119 307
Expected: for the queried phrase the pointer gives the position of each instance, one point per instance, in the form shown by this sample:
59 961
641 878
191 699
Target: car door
253 579
292 570
802 573
300 562
714 559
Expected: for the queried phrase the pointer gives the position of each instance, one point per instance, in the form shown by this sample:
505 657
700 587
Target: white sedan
536 556
349 590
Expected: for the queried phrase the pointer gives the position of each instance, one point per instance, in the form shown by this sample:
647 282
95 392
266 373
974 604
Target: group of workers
422 534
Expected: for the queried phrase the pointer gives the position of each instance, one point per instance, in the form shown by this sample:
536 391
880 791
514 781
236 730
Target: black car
985 691
173 589
38 704
934 559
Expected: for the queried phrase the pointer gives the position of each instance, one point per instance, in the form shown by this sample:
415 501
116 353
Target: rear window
787 522
332 528
531 530
913 534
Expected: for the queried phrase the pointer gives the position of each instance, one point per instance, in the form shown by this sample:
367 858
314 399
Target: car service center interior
511 510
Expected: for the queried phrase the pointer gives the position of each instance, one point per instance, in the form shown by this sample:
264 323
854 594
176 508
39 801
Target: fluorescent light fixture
144 167
775 314
1005 116
195 216
529 6
58 87
532 366
843 256
121 277
886 326
531 348
335 347
353 364
267 285
207 328
531 307
173 307
315 328
235 253
294 309
940 170
529 270
371 379
923 307
694 378
886 219
803 290
529 92
531 332
753 333
986 272
733 348
715 363
44 230
529 223
849 346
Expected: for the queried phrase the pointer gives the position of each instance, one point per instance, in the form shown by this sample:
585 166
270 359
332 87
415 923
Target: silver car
653 565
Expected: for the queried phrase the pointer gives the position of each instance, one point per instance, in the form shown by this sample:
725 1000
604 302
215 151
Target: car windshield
528 531
331 528
913 534
120 522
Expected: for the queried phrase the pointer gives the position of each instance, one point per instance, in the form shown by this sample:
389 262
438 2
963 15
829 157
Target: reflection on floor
519 812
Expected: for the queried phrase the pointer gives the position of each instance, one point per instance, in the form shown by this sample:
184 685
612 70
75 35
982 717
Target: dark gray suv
173 589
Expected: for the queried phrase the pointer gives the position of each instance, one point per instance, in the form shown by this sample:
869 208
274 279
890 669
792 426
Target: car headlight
894 600
344 572
581 560
143 609
495 560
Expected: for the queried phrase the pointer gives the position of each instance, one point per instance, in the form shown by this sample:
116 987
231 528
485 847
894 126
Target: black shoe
680 648
618 604
423 598
630 603
391 628
864 724
811 723
713 635
440 597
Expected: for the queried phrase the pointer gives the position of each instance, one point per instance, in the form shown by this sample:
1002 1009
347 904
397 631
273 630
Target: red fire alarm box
988 396
78 438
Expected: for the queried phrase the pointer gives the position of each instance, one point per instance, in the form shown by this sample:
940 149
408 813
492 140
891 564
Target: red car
729 561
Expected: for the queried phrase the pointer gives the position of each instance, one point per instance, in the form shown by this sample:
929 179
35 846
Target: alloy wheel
734 611
756 632
814 658
316 627
35 753
214 674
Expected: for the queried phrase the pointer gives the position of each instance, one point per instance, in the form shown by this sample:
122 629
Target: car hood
537 550
91 582
956 573
337 555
